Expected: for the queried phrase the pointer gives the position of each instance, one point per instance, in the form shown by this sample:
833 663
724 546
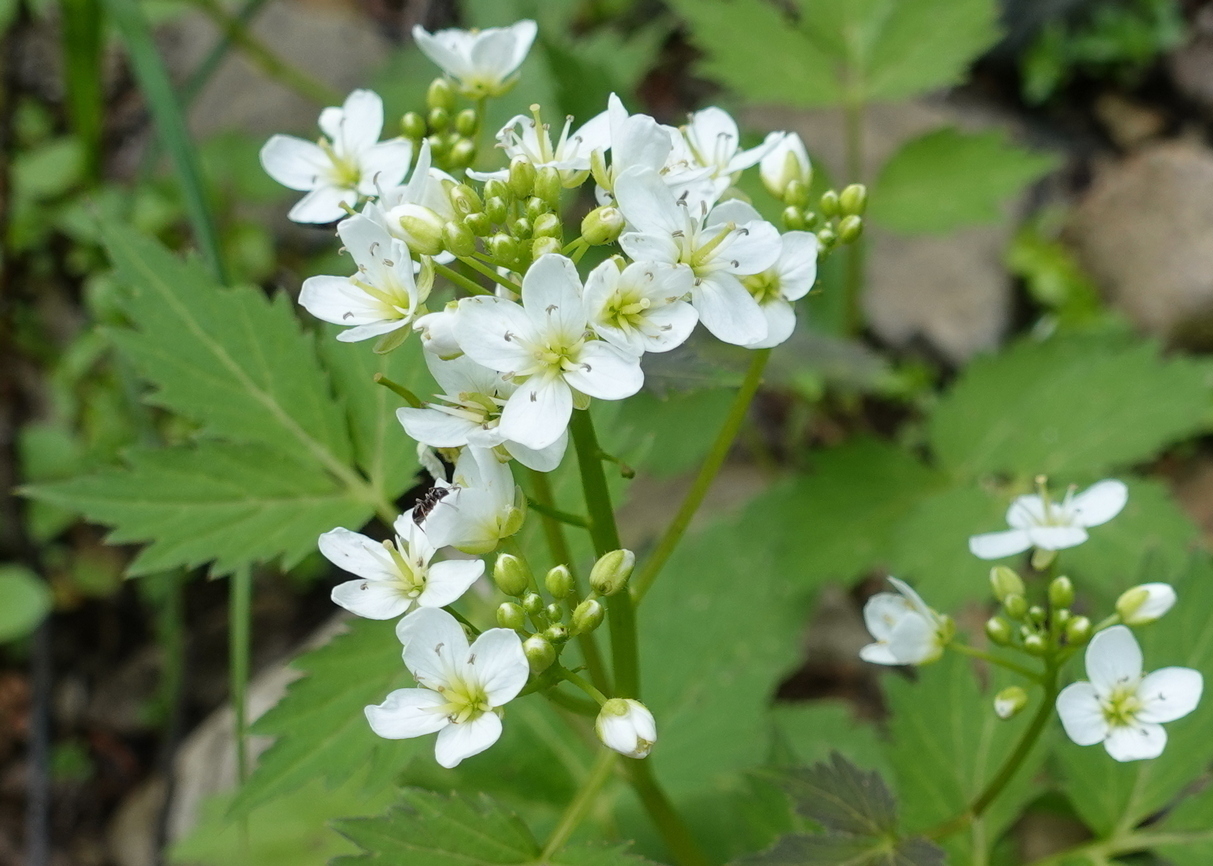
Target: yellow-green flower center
465 701
1120 708
625 310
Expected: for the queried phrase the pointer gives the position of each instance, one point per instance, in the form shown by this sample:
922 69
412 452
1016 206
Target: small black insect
427 502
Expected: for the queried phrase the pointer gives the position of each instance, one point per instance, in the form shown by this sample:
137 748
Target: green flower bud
540 654
559 581
462 153
440 95
422 229
548 187
1078 630
1004 582
1016 606
850 229
467 123
497 209
1042 559
556 633
521 228
1035 644
503 248
853 200
588 616
438 119
547 225
536 207
829 203
510 615
1061 592
495 188
1146 603
439 145
553 612
465 200
1036 614
511 575
1010 702
543 246
998 630
532 603
610 573
796 194
1061 617
458 239
602 225
793 219
478 224
413 126
826 237
522 176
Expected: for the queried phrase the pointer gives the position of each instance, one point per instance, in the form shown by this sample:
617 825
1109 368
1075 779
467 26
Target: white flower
626 726
788 280
719 246
461 687
785 162
395 575
906 631
438 334
346 164
415 212
713 141
383 296
1121 708
641 308
482 507
1037 522
1144 604
468 412
531 138
482 61
543 345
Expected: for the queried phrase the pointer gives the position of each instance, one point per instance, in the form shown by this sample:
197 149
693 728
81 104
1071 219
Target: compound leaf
843 798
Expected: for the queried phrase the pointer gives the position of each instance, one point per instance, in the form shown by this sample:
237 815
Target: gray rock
1144 231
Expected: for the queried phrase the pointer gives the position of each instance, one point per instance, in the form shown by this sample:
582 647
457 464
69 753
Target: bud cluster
1035 628
838 218
451 133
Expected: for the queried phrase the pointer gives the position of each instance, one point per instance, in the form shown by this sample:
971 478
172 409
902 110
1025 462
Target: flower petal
1137 742
294 163
914 640
996 545
1113 659
728 310
1168 694
538 413
882 612
408 713
1057 537
878 654
606 372
322 205
539 459
385 165
456 742
1081 714
551 295
1099 503
781 322
647 203
1026 511
449 580
357 554
373 599
500 665
650 247
435 647
435 428
491 332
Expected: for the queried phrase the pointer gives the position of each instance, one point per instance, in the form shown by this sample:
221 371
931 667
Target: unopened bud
540 654
511 615
458 239
511 575
521 228
496 188
785 164
588 616
532 603
1035 644
603 225
1042 559
438 119
610 573
826 237
522 176
535 207
478 224
1146 603
829 203
503 248
1061 592
413 126
440 95
793 219
420 228
1005 582
998 630
796 194
547 225
559 581
1078 630
497 209
548 186
556 633
467 123
853 200
627 727
465 200
462 153
553 612
439 145
1036 614
1015 605
850 229
1010 702
543 246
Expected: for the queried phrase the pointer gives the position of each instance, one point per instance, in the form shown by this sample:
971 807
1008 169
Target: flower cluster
1118 705
526 339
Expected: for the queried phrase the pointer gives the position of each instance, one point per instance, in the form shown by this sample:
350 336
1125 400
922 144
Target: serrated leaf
1072 405
231 359
1186 833
804 850
949 179
843 798
429 829
232 503
1108 794
319 724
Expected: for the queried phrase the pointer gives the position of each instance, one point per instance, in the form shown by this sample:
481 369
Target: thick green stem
703 481
853 284
581 805
683 847
239 650
482 268
973 652
468 285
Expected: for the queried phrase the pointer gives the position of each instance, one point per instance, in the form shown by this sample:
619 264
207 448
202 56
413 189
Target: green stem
572 703
581 805
210 64
239 650
973 652
482 268
460 280
853 283
395 387
683 847
581 683
555 514
703 481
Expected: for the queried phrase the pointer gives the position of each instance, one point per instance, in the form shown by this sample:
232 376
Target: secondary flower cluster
1119 705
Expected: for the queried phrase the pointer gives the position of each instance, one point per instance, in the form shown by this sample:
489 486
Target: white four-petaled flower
461 687
1037 522
642 308
482 505
778 287
482 61
906 631
348 163
531 138
395 575
711 140
1120 707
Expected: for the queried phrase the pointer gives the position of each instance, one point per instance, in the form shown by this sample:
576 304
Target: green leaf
1068 405
319 725
947 745
1109 795
949 179
1188 831
807 732
831 53
428 829
25 601
804 850
235 504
